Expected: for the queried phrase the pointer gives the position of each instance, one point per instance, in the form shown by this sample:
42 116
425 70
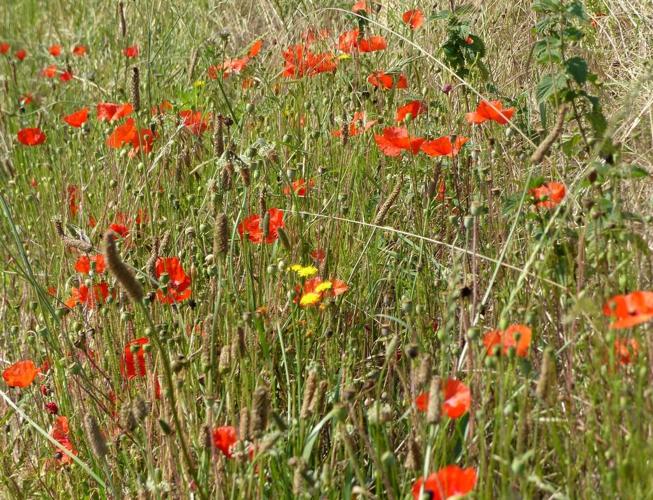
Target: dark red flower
178 286
51 407
77 119
449 482
119 228
55 50
60 433
31 136
66 76
21 54
235 66
79 50
351 40
4 48
252 227
224 438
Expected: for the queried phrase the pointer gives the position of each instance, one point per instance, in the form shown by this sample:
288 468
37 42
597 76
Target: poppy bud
51 407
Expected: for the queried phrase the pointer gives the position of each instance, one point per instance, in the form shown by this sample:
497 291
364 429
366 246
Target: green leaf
576 67
549 85
548 50
576 9
547 6
637 172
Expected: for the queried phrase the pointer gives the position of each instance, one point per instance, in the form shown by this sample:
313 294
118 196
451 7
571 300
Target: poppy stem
167 373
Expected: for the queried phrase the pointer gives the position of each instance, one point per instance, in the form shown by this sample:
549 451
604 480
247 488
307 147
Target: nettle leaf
548 50
550 85
637 172
547 5
576 9
576 67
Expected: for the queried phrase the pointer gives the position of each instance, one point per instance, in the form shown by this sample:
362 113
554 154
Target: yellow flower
304 271
324 286
310 299
199 83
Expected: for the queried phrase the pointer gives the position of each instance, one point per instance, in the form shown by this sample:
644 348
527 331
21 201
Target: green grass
429 279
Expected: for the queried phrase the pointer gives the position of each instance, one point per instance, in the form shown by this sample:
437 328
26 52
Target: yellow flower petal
309 299
307 271
325 285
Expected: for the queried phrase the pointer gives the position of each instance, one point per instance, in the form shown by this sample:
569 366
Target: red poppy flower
388 81
224 438
357 126
20 374
492 110
630 310
457 399
360 6
132 363
300 187
61 433
4 48
311 35
31 136
413 18
77 119
143 141
161 108
131 52
415 108
251 226
626 350
89 297
66 76
350 40
72 192
194 121
55 50
107 111
123 134
394 140
443 146
83 264
318 255
21 54
499 341
300 61
549 195
79 50
120 229
235 66
178 284
451 481
26 99
50 71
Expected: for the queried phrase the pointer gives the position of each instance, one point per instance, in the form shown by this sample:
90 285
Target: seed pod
121 18
547 376
309 391
119 269
388 203
140 409
95 437
260 410
221 236
261 202
317 404
435 400
69 242
423 374
225 359
226 176
135 89
218 137
245 175
413 455
243 425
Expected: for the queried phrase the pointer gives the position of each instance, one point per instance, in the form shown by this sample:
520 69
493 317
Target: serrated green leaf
576 67
549 85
